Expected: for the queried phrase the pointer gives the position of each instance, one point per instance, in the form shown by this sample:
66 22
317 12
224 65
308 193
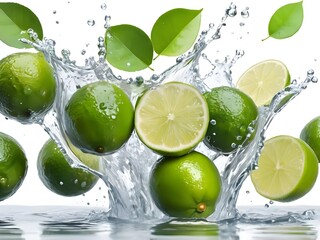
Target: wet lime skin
231 114
311 135
99 118
13 166
27 86
180 185
57 174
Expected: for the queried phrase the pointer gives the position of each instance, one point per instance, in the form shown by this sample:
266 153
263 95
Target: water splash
126 172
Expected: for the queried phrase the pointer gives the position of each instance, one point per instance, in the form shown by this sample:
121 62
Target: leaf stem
265 38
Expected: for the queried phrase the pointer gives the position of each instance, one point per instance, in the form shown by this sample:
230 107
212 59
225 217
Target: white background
68 27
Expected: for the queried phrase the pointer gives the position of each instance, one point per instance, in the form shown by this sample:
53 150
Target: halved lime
287 169
172 118
263 80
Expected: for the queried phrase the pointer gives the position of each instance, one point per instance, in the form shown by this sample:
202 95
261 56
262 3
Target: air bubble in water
54 12
266 205
83 52
91 22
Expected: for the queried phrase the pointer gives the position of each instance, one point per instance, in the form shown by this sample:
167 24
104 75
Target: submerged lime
57 175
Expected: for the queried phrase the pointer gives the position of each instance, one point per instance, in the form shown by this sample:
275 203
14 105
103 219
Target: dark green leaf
128 48
15 20
286 21
175 31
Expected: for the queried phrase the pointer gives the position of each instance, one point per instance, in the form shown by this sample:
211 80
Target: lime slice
263 80
172 118
287 169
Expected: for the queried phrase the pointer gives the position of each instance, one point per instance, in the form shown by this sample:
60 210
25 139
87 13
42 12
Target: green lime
232 119
57 174
185 187
172 118
99 118
27 86
311 135
287 169
263 80
13 166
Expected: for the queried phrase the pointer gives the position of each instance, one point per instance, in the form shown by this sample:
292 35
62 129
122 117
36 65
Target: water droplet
245 12
266 205
232 10
113 116
103 6
54 12
247 192
239 138
128 64
3 181
57 22
211 25
208 138
241 24
213 122
61 183
309 213
76 181
83 52
83 184
271 202
233 145
91 22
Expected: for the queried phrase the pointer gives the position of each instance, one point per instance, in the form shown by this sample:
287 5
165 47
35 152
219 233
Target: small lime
185 187
172 118
232 118
99 118
57 174
13 166
311 135
287 169
27 86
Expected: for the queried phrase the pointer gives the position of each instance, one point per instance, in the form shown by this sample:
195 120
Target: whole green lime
311 135
185 187
232 118
99 118
27 86
13 166
57 175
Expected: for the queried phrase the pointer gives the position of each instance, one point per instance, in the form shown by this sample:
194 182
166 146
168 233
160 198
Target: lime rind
172 119
263 80
287 169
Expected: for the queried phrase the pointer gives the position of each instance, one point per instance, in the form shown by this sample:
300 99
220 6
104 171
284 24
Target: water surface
77 223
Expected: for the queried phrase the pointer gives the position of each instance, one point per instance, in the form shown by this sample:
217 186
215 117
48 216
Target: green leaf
286 21
15 20
128 48
175 31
